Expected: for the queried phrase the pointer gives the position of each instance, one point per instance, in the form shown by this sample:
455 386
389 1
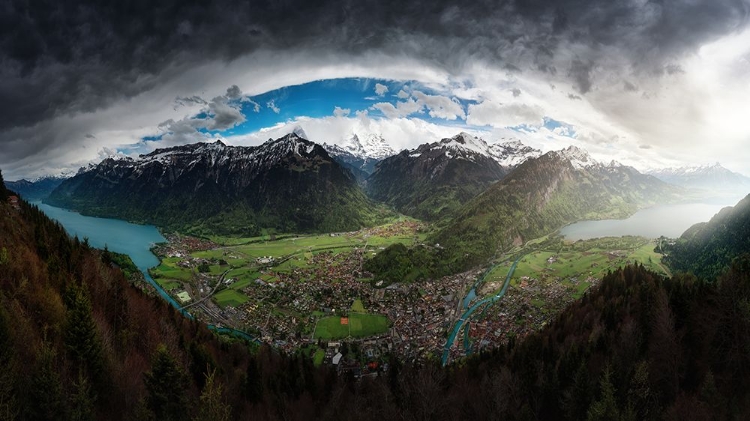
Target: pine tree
81 335
577 398
605 409
82 400
46 395
8 401
253 382
3 191
166 385
213 406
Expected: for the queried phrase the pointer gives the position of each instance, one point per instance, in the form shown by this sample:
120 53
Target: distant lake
119 236
666 220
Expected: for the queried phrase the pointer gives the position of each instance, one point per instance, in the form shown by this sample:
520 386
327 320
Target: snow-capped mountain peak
578 157
300 132
513 153
466 142
708 176
372 146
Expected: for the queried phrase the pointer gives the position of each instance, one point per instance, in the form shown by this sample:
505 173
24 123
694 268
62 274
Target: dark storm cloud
64 57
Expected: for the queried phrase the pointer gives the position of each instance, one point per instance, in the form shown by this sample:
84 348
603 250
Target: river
667 220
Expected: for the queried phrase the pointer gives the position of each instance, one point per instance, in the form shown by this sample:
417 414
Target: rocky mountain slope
361 154
433 180
289 184
35 189
542 195
707 248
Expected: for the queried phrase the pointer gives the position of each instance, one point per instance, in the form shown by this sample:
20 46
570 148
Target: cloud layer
109 69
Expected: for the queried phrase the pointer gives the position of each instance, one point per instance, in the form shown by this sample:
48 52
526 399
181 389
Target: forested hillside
707 248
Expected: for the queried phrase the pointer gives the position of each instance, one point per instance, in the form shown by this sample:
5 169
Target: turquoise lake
119 236
667 220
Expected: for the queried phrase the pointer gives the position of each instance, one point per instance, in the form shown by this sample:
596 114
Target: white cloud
272 105
341 112
401 109
256 106
440 106
693 116
380 89
490 113
437 106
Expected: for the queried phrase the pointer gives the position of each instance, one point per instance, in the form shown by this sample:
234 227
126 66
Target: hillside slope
543 195
289 184
433 180
707 248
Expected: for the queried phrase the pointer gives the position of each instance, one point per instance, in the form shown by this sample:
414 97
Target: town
311 293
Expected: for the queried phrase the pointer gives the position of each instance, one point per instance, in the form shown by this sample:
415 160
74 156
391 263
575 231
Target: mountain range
79 341
361 154
542 195
431 181
38 189
289 184
713 177
486 197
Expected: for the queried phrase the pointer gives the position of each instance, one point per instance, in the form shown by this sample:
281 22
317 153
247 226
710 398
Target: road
218 283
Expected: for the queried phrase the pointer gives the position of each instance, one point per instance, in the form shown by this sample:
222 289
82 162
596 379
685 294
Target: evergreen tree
8 402
82 400
3 191
81 336
166 386
213 406
605 409
641 397
577 398
46 394
253 382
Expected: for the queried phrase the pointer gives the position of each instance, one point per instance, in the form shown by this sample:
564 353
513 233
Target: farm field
573 263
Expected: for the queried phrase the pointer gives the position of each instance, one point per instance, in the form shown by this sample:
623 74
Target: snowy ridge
578 157
466 146
711 176
371 146
513 153
220 158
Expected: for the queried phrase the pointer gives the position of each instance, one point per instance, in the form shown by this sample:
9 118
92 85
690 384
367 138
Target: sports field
359 325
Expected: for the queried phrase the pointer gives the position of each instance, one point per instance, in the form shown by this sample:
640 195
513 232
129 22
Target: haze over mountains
712 176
